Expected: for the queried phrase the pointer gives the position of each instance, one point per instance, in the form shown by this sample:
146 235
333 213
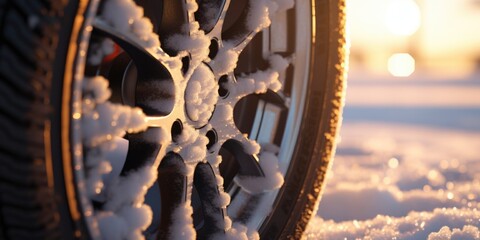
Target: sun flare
403 17
401 65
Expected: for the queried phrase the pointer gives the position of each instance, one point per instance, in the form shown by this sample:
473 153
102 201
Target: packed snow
201 95
392 180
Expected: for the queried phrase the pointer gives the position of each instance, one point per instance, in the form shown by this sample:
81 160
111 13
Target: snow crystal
273 179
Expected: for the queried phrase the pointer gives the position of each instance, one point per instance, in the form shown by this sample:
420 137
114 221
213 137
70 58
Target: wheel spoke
244 20
209 14
266 119
153 10
275 98
128 43
234 28
205 184
248 163
143 148
172 183
146 82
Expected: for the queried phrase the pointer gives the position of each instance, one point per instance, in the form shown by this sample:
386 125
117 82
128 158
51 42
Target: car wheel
165 119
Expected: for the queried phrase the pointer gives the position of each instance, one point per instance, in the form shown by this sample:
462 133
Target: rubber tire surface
37 199
299 197
34 203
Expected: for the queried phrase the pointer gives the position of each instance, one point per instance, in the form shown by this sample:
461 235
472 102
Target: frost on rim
198 111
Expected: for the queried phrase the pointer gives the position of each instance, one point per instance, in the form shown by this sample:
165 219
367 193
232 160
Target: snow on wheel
168 119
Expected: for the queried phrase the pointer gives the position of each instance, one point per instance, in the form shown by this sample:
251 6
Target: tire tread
27 202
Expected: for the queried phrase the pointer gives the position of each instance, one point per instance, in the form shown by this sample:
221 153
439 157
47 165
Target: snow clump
273 178
124 216
468 232
257 82
190 144
182 225
260 81
260 12
225 61
201 94
127 18
192 41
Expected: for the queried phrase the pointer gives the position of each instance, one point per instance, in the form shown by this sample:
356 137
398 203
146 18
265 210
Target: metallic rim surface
217 129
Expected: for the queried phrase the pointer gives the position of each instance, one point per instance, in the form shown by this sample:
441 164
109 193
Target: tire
45 47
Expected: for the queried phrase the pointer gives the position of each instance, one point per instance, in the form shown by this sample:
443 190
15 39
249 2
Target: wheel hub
201 95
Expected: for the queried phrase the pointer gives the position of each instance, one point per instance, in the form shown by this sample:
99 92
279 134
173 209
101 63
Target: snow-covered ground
404 171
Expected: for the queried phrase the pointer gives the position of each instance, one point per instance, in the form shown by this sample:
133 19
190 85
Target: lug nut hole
222 86
213 48
212 138
177 128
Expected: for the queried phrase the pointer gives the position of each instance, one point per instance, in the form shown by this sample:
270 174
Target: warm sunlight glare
403 17
401 65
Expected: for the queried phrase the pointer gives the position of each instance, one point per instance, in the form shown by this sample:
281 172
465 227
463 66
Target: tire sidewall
298 199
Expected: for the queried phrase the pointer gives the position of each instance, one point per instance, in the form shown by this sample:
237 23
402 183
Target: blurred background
410 139
414 53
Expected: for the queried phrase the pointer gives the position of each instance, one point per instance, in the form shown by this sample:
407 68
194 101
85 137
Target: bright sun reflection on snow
401 65
403 17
